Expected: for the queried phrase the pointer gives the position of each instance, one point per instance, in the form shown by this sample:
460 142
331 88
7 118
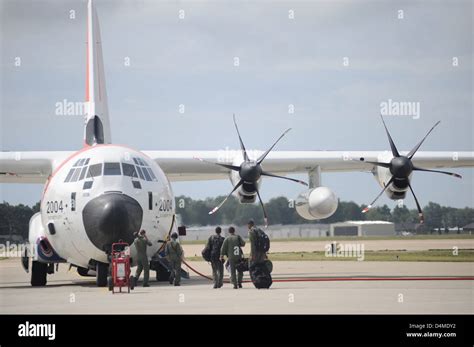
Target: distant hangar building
362 228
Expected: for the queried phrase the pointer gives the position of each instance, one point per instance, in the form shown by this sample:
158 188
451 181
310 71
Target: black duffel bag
206 253
260 275
243 265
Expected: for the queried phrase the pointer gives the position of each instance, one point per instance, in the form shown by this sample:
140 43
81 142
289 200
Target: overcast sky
283 61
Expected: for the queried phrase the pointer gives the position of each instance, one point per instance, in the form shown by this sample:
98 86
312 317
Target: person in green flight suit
141 243
256 256
214 243
175 253
231 248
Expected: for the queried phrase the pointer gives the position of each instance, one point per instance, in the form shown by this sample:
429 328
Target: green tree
433 216
279 211
379 213
402 215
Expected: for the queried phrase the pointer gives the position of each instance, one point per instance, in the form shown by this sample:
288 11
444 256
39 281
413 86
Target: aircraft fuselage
100 195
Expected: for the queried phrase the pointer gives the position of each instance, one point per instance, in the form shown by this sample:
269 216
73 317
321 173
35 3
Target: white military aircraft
105 192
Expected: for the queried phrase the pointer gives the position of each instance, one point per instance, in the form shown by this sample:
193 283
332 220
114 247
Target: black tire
110 283
102 271
39 271
132 282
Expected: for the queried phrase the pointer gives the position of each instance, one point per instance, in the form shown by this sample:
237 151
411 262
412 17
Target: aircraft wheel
39 272
102 270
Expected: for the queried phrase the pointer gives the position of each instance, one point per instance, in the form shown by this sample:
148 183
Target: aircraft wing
29 167
35 167
183 165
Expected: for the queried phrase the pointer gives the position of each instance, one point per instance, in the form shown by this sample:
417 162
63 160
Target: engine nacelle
317 203
247 192
397 190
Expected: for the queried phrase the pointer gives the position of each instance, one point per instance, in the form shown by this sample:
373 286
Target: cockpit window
81 170
129 170
150 171
83 173
140 173
144 170
78 171
75 176
69 175
112 169
81 162
95 170
147 175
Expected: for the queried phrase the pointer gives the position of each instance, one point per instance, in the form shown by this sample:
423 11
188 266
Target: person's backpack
260 276
262 241
216 244
206 253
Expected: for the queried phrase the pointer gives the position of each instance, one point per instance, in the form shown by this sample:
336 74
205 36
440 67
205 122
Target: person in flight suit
256 256
231 248
175 253
141 243
214 243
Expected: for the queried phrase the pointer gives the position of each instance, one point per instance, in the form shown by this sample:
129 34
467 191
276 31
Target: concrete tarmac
69 293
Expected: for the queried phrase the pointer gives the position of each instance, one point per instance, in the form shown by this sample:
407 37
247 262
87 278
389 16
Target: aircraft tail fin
97 125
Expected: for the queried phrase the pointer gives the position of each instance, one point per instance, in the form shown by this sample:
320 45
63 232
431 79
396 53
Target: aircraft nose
111 217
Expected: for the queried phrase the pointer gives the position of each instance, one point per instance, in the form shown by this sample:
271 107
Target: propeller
250 171
401 168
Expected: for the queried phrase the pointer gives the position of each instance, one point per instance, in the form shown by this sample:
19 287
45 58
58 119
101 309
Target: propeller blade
420 211
413 151
438 171
376 163
259 160
378 196
230 167
392 144
242 146
214 210
264 173
263 208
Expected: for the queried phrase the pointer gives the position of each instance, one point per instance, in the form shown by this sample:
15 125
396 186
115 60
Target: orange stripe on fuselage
87 62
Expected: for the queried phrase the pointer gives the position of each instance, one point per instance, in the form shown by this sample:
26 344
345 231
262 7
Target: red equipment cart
120 267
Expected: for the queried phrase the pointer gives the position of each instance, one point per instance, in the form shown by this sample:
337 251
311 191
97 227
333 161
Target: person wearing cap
231 248
256 256
141 242
175 253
